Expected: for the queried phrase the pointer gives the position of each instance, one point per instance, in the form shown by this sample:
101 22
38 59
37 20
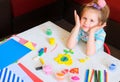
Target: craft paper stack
11 51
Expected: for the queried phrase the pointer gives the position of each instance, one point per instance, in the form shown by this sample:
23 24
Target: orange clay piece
60 76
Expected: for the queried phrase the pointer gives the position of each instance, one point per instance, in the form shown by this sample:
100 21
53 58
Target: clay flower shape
64 59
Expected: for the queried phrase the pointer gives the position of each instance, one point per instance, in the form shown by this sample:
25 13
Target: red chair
107 49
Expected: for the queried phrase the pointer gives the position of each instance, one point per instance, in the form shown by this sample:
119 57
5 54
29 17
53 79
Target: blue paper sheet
11 51
14 72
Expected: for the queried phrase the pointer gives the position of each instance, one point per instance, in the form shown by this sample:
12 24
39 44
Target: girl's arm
72 40
91 43
91 47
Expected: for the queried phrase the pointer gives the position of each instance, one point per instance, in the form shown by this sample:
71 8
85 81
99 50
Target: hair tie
101 3
98 5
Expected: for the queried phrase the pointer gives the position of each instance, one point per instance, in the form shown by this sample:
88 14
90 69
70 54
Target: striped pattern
7 75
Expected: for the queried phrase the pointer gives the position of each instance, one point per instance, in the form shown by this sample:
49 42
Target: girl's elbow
90 53
69 46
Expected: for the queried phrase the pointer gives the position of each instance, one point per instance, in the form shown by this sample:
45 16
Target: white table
99 61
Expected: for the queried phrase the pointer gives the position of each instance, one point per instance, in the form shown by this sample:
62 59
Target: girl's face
89 19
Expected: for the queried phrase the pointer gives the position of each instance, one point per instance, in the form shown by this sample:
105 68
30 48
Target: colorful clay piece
83 60
41 51
65 71
39 68
75 79
60 76
68 51
64 59
49 32
47 69
52 41
74 70
42 61
112 66
45 49
71 51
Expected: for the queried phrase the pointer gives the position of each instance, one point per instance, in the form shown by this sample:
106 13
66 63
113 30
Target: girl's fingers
75 12
97 27
77 20
75 15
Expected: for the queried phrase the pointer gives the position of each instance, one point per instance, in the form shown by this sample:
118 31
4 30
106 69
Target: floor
64 24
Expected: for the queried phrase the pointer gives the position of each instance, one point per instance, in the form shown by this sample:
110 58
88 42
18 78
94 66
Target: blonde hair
104 12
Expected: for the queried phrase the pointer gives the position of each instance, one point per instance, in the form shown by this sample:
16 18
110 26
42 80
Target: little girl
89 27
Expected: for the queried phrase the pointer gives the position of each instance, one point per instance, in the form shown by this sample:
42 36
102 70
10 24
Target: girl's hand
77 19
95 28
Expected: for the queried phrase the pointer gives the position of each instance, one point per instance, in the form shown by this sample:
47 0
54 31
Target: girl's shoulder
101 31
